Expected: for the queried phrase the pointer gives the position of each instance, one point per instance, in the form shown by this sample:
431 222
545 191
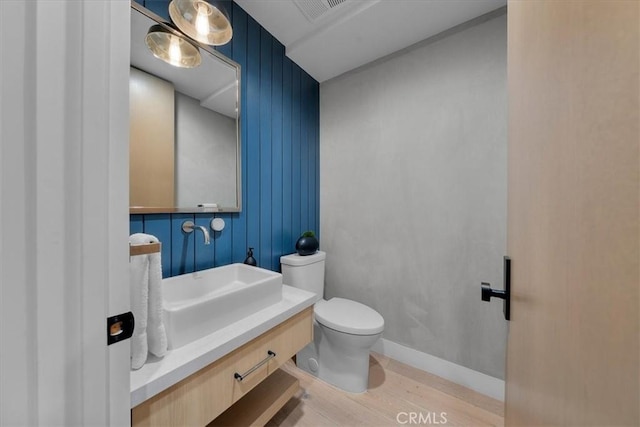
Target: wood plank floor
395 391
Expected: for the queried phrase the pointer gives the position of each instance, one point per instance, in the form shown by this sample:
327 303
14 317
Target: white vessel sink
198 304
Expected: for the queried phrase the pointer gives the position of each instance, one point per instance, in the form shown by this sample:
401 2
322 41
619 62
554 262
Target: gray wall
206 161
413 192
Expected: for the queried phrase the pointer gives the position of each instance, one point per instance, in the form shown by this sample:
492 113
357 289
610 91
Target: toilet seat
348 316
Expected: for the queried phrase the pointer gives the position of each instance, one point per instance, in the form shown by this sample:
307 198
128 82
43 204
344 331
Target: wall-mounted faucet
189 226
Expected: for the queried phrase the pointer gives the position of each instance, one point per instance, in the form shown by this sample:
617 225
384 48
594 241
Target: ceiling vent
315 9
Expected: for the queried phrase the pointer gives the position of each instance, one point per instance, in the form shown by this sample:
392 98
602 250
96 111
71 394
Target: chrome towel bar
240 377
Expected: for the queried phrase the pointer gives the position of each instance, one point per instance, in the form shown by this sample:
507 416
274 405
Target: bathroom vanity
231 376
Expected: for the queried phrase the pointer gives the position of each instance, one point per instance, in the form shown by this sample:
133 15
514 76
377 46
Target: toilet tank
304 272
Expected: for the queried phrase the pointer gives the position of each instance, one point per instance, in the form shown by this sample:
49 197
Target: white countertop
158 374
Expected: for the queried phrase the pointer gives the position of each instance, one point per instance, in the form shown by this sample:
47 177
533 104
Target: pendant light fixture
171 48
204 21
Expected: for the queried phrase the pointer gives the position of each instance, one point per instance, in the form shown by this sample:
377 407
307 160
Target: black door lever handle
487 292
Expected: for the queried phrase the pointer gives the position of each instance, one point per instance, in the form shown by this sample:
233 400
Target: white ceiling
351 33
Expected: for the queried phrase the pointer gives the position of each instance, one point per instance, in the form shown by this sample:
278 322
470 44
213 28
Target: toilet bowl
344 330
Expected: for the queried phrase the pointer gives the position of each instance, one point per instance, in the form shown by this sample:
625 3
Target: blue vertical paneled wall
280 120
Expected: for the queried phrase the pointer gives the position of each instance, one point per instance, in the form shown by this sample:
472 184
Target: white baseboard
482 383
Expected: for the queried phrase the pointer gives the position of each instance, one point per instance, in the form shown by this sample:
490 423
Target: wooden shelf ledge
258 406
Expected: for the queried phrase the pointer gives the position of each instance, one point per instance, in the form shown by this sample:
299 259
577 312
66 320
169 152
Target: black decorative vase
307 246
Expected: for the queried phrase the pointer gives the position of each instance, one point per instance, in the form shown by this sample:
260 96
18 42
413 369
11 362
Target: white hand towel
146 302
156 334
139 292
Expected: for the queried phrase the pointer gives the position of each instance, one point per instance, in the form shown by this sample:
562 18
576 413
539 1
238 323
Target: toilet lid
348 316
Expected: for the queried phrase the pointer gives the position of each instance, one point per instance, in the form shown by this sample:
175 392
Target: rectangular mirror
185 130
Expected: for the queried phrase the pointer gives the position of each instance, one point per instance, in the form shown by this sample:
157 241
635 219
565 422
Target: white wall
413 192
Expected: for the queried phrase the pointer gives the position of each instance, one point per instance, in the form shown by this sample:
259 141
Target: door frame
63 211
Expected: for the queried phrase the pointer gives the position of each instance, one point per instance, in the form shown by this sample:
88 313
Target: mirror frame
195 209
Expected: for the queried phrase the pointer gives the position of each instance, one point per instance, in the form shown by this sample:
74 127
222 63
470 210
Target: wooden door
573 227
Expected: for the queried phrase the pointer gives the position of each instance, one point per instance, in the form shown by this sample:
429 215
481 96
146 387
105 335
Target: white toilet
343 332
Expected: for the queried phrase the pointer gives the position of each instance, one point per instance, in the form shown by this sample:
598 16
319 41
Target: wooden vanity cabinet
200 398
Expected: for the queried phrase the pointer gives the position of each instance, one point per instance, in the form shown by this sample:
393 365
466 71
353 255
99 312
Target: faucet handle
217 224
